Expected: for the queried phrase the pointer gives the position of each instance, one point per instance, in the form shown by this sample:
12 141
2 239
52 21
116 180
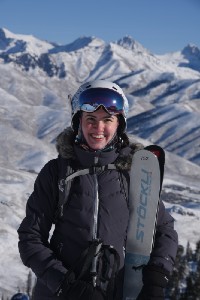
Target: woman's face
98 128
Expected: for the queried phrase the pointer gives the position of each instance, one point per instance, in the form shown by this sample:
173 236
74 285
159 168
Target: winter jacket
51 257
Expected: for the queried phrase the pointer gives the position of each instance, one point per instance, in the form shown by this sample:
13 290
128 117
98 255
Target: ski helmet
20 296
92 95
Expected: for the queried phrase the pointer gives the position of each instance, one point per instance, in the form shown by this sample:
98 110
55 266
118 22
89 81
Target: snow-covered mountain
36 77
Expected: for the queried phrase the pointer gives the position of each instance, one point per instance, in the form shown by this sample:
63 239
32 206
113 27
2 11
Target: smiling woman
85 257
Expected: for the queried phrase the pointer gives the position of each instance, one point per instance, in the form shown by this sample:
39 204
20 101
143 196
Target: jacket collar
96 158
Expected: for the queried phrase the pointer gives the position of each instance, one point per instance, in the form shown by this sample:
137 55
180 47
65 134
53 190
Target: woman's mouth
97 136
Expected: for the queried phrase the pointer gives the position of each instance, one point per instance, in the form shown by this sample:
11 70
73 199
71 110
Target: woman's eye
108 120
90 119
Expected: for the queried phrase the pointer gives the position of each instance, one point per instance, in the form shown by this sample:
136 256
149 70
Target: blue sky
161 26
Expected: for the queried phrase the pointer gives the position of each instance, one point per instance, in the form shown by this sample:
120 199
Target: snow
14 187
163 96
187 220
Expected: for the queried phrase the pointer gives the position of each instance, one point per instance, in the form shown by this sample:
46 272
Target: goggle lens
91 99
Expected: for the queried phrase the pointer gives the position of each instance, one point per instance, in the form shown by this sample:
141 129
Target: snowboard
145 186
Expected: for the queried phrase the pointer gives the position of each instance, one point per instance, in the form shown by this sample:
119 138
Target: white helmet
91 95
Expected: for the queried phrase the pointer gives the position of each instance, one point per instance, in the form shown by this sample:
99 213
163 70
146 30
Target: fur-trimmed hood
65 143
65 148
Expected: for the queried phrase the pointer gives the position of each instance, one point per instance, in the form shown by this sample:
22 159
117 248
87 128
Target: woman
85 256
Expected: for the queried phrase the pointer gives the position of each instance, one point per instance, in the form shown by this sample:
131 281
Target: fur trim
64 143
124 161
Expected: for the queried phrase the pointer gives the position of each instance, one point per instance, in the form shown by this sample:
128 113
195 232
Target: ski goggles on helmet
91 99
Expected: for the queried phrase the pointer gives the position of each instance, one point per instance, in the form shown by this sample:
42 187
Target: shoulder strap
62 189
64 184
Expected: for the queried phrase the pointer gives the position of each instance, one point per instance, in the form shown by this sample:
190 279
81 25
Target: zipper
96 208
96 203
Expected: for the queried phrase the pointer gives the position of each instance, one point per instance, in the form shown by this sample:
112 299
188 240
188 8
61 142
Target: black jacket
50 258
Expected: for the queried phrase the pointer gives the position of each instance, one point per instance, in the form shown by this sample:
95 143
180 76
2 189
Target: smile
99 136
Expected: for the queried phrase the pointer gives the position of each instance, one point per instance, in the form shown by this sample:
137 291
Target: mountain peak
20 43
4 40
79 43
5 33
2 33
191 50
129 43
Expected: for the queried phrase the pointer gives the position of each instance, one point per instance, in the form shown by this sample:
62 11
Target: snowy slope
14 187
36 77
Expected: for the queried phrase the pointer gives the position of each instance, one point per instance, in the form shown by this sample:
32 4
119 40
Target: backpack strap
64 184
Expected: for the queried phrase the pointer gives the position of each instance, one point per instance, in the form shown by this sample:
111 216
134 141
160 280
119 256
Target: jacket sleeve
34 230
166 241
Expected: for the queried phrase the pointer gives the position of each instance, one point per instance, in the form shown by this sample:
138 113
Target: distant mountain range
35 79
163 91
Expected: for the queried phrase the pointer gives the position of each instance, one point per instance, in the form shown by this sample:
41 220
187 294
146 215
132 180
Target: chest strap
64 184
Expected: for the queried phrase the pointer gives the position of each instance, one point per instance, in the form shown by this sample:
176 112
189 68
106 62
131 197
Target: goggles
91 99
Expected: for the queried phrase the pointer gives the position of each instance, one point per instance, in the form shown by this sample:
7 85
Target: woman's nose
99 125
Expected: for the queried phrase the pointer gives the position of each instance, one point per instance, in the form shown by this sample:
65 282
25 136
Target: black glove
155 279
66 284
82 290
78 289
